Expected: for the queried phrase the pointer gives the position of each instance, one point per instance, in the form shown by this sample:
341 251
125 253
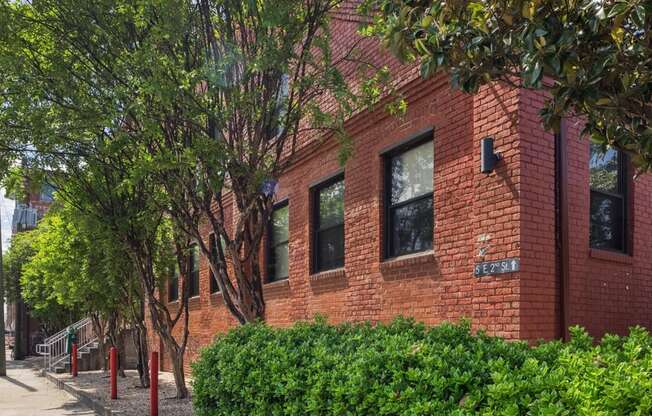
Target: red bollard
113 362
153 384
74 360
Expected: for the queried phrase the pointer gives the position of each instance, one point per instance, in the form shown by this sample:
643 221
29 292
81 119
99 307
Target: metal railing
53 349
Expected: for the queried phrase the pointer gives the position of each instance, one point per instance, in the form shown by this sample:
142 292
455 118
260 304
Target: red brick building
400 229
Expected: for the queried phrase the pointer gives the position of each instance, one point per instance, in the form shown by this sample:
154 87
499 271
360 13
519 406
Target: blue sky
6 211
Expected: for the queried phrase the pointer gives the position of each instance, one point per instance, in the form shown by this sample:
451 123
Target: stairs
89 358
54 349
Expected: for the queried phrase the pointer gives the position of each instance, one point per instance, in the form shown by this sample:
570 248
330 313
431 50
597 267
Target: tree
128 209
52 314
79 263
150 113
594 58
266 82
212 98
71 115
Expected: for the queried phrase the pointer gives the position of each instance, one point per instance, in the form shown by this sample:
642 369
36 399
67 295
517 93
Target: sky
6 212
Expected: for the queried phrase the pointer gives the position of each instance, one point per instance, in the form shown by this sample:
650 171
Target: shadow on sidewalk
19 384
74 408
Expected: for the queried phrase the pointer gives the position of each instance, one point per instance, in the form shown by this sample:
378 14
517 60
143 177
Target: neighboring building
26 216
405 226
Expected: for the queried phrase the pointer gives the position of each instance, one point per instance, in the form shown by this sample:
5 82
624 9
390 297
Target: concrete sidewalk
24 392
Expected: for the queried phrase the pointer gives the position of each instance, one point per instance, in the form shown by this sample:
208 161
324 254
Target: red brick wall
513 209
433 286
508 213
539 308
609 292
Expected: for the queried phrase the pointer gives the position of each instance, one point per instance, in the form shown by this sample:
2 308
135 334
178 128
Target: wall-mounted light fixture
488 158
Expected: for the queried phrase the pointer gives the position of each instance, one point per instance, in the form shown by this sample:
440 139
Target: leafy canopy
19 253
186 101
594 57
76 264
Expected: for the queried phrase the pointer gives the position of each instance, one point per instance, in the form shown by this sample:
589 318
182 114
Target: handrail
64 331
53 349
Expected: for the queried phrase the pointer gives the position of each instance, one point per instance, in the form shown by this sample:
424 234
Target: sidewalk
24 392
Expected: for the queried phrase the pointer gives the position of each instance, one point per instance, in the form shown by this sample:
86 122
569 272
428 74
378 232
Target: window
409 191
278 253
329 225
173 286
607 178
47 193
193 276
212 243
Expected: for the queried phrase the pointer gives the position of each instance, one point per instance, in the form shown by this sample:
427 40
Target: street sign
488 268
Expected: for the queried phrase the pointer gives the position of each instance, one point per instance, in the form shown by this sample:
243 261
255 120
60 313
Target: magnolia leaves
595 57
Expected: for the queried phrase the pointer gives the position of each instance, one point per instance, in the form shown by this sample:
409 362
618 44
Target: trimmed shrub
407 368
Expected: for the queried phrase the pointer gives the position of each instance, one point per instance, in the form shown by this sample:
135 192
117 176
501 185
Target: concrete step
84 361
89 358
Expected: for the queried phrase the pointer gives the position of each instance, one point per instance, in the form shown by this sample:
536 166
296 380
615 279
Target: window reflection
607 212
603 169
412 173
278 266
410 210
329 225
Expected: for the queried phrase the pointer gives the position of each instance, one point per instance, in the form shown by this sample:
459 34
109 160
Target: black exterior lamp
488 158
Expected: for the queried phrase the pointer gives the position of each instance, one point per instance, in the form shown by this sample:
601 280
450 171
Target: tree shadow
74 408
19 384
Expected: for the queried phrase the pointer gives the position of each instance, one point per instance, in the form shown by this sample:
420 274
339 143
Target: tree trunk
122 352
162 322
175 350
99 332
117 340
3 358
176 358
140 339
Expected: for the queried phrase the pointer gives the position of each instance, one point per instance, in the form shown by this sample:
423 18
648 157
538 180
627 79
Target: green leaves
405 368
586 48
78 264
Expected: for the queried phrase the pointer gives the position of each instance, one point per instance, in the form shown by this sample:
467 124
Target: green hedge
406 368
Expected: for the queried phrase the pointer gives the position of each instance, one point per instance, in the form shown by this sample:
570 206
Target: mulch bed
132 400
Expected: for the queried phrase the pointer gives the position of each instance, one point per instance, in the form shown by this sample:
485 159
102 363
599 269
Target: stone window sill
409 266
216 297
335 274
328 281
193 302
611 256
280 288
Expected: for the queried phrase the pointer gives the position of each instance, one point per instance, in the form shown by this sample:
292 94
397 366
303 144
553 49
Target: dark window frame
622 195
317 267
212 246
388 207
271 277
194 275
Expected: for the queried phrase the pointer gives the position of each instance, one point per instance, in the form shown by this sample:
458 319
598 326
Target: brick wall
508 213
609 292
539 308
432 286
